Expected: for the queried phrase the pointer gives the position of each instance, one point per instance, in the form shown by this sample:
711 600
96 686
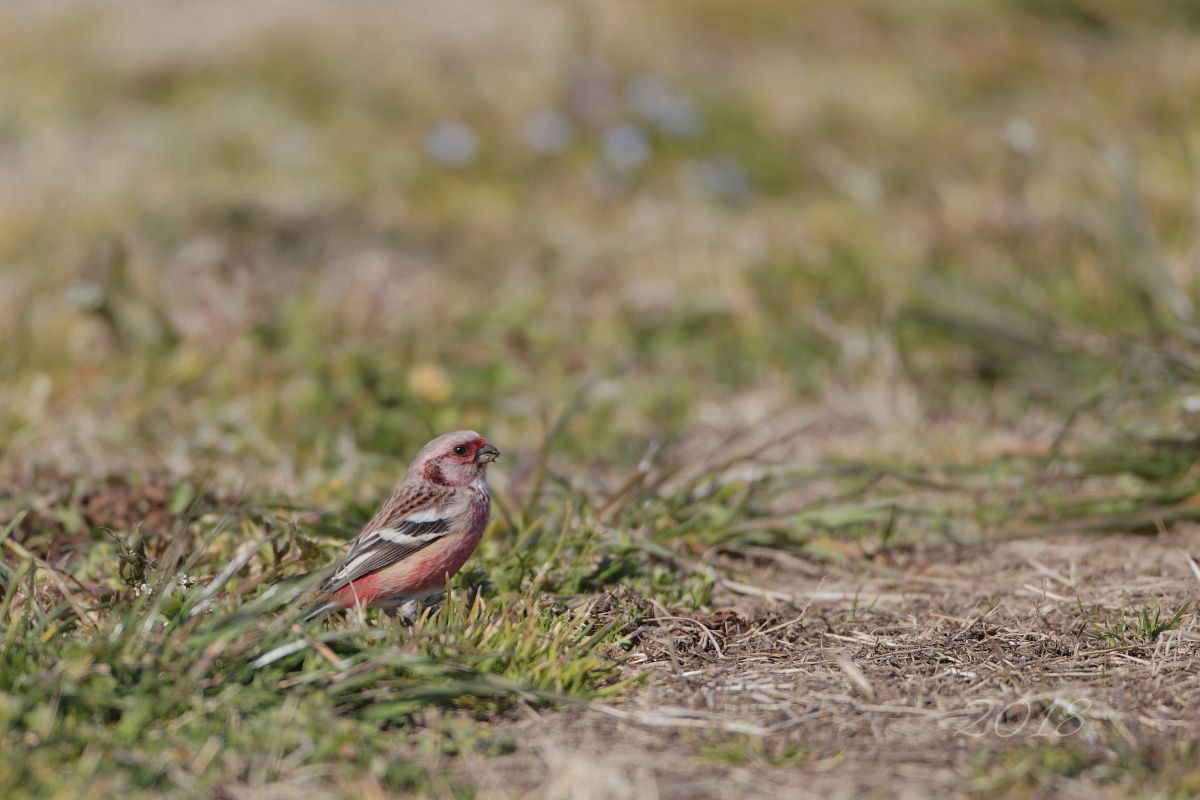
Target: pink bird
423 534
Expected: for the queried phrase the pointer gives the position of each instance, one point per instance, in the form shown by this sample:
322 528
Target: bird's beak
487 454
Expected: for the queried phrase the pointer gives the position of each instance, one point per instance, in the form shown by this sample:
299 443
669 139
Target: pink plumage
423 534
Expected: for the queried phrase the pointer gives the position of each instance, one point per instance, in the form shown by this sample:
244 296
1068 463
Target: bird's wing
413 518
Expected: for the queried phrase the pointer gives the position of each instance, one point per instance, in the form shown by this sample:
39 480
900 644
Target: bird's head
453 459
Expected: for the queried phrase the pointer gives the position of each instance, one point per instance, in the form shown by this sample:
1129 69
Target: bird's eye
460 450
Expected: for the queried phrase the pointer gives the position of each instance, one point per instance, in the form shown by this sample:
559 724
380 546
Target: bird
422 534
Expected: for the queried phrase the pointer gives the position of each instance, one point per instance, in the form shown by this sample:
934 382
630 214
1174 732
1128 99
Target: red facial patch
433 471
472 448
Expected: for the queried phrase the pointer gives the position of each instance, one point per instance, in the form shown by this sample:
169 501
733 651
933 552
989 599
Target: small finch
422 535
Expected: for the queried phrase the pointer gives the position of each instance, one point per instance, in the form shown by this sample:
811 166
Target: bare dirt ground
901 678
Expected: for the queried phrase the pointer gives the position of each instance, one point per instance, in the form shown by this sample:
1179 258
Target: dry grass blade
708 634
241 557
1191 562
669 717
855 674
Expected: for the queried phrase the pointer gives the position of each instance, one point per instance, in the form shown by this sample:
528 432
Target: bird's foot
407 611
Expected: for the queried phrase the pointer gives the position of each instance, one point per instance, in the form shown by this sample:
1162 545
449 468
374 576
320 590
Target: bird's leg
409 610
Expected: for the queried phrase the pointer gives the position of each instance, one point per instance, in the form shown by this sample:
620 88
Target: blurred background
284 242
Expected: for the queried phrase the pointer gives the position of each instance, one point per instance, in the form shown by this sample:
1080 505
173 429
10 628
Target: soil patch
900 676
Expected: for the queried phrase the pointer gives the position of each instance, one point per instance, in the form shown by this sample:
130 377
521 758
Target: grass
1139 625
860 286
176 666
1166 772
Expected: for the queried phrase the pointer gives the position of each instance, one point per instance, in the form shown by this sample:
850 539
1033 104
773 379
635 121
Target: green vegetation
1142 626
1159 771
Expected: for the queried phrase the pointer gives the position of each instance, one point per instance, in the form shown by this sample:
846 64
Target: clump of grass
1027 770
1024 768
1141 625
741 750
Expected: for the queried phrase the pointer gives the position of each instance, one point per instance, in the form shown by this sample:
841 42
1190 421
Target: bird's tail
318 608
